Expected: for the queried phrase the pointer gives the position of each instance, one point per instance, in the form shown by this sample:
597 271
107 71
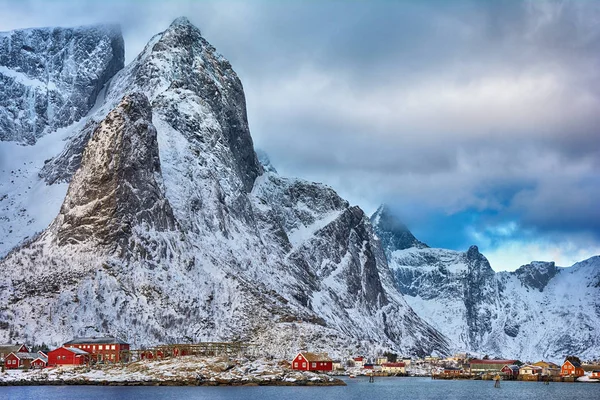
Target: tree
392 357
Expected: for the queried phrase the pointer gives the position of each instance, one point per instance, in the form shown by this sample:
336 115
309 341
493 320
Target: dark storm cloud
477 120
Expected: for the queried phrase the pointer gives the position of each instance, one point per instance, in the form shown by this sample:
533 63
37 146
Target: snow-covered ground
188 370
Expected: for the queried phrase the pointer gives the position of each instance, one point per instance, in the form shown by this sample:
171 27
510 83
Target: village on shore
108 360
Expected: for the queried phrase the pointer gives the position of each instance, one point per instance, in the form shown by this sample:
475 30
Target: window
94 347
100 347
112 347
314 365
295 365
303 365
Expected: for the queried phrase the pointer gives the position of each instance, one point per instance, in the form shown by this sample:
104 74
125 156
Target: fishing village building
68 356
488 366
6 349
100 349
571 368
306 361
25 360
511 372
548 368
452 371
390 368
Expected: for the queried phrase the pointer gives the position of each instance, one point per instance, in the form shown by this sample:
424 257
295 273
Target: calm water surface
360 388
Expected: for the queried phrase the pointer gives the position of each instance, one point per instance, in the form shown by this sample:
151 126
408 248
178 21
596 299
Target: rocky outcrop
119 183
50 77
394 235
536 274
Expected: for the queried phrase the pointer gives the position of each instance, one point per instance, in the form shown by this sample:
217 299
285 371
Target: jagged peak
393 233
473 252
181 21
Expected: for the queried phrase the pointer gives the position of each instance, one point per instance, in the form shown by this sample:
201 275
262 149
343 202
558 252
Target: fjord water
360 388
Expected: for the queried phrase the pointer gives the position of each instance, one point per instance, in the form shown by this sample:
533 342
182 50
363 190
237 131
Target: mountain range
133 203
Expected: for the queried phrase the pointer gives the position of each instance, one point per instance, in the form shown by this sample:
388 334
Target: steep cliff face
172 231
535 312
118 185
50 77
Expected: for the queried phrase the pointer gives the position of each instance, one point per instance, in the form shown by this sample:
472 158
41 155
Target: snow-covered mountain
539 311
165 227
50 77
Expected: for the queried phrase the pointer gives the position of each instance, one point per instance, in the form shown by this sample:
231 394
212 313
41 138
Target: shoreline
335 382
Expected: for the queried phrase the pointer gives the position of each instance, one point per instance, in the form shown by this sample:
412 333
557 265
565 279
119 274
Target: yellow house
548 368
393 368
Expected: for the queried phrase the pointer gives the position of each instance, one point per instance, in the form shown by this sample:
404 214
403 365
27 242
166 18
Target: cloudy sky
477 122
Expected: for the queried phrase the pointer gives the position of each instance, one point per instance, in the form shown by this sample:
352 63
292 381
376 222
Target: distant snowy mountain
165 227
539 311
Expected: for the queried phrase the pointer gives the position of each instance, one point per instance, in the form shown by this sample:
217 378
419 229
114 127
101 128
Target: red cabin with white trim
67 356
306 361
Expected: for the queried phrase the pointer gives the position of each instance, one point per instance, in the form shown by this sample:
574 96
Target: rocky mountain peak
181 21
118 184
50 77
536 274
394 235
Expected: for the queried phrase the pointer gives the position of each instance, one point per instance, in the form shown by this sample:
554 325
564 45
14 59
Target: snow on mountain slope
50 77
538 311
171 230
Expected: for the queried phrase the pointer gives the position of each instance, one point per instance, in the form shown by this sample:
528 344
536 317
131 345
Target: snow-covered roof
315 357
75 350
26 356
96 340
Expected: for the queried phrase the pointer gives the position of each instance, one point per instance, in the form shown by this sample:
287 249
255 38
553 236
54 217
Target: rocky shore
183 371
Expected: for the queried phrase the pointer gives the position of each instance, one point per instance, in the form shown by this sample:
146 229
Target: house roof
503 362
546 364
72 350
574 363
396 364
315 357
96 340
512 367
26 356
42 357
10 348
535 367
452 369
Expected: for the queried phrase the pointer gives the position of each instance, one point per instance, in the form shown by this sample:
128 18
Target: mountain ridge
526 314
231 252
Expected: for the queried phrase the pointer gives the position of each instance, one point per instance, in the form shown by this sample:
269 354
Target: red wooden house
41 361
68 356
595 374
6 349
19 360
312 362
511 371
101 349
571 368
